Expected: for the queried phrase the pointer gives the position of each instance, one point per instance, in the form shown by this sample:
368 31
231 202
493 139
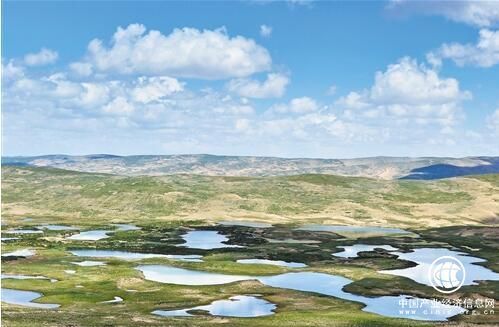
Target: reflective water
56 227
340 229
20 253
23 231
352 251
24 298
326 284
89 263
180 276
21 277
254 224
126 255
3 239
116 299
424 257
92 235
205 240
273 262
126 227
236 306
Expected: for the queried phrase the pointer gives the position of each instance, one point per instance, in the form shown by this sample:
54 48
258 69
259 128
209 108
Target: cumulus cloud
265 30
43 57
150 89
408 93
472 12
273 87
296 105
186 52
485 53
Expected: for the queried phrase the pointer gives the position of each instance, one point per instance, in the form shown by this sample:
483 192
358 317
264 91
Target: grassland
304 198
461 211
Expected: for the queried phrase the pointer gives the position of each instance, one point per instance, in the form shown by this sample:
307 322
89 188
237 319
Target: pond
424 257
3 239
91 235
236 306
320 283
89 263
273 262
205 240
20 253
24 298
126 255
352 251
23 231
254 224
22 277
126 227
56 227
355 230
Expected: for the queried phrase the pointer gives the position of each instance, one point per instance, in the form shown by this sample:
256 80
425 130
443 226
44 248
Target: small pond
23 231
424 257
91 235
25 298
273 262
254 224
89 263
352 251
355 230
126 255
237 306
205 240
56 227
20 253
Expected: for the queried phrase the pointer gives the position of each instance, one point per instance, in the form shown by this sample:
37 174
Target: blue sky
290 78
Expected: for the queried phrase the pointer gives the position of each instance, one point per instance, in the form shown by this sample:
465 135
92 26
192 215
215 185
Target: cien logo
447 274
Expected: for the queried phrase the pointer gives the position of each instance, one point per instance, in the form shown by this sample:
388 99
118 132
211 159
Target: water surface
89 263
273 262
56 227
254 224
23 231
126 255
424 257
20 253
126 227
205 240
92 235
236 306
321 283
349 230
352 251
24 298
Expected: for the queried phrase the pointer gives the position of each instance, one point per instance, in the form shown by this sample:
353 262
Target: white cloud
186 52
472 12
273 87
485 53
81 68
154 88
11 71
43 57
265 30
407 93
119 106
296 105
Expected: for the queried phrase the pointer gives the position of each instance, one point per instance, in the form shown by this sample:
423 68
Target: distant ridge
423 168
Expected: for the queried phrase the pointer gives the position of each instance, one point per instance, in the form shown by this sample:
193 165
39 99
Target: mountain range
205 164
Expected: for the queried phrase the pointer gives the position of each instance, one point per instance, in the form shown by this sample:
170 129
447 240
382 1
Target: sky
267 78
